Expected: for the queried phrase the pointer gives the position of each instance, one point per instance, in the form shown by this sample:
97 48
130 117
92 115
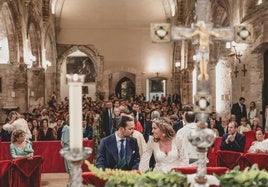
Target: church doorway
125 89
265 85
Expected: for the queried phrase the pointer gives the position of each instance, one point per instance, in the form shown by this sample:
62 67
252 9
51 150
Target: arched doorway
125 89
265 86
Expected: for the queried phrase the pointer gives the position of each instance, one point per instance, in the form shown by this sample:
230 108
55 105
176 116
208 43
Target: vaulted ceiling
108 14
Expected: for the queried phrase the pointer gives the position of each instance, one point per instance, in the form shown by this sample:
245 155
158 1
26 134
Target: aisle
54 179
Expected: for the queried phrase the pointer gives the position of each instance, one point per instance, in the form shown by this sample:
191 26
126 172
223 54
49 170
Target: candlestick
75 110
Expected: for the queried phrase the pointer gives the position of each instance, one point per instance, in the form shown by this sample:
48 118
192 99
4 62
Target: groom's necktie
122 149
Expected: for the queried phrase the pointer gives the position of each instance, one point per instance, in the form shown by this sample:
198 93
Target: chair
228 159
27 173
5 166
91 178
212 157
256 158
210 170
250 137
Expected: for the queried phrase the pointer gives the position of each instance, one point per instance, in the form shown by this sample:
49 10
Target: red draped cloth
27 173
5 166
91 178
228 159
49 150
210 170
250 137
256 158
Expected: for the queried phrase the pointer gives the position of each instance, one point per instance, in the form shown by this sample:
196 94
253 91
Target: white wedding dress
177 157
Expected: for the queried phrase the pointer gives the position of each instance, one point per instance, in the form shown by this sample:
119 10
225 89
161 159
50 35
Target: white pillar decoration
75 83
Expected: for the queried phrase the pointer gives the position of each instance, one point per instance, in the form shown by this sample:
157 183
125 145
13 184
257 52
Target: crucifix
236 71
244 70
202 32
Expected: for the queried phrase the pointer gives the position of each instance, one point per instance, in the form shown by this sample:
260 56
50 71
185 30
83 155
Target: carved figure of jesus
203 35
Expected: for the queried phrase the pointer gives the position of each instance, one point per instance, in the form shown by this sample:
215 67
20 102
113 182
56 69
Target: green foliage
249 177
120 178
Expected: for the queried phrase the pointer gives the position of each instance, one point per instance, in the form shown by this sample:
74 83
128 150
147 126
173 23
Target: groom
119 150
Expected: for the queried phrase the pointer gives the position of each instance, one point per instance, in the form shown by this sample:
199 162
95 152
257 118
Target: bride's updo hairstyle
165 127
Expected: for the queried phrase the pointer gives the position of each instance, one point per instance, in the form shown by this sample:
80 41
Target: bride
168 150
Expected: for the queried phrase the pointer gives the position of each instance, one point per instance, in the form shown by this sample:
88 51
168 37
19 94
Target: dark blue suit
237 145
108 153
236 110
88 133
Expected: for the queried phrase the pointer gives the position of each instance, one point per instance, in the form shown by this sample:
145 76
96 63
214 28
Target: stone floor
54 179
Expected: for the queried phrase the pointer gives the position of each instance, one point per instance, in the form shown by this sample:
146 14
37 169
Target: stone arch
137 79
117 78
125 88
65 50
12 25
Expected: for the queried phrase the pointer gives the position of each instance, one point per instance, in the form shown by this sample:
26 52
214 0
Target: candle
75 110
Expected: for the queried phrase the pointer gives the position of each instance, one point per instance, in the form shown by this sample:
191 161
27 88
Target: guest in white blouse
260 145
168 150
253 112
16 122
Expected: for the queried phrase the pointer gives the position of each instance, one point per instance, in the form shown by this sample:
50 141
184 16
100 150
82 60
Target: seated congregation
139 140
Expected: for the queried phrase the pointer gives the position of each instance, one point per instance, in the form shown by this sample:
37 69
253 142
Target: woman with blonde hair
20 147
167 148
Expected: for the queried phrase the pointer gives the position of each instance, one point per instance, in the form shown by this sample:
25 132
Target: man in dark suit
176 125
119 150
239 110
87 130
233 141
138 114
107 119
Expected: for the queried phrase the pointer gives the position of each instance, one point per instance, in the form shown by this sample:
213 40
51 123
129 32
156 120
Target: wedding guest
244 126
5 136
167 148
16 122
256 124
140 140
253 112
87 130
20 147
35 130
176 125
65 142
119 150
58 129
239 109
212 124
107 119
223 128
233 140
266 118
147 126
45 133
259 146
116 118
184 132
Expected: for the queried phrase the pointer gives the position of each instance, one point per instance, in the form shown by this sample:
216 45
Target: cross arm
223 33
181 33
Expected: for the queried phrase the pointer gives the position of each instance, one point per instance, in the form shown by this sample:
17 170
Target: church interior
127 48
42 41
